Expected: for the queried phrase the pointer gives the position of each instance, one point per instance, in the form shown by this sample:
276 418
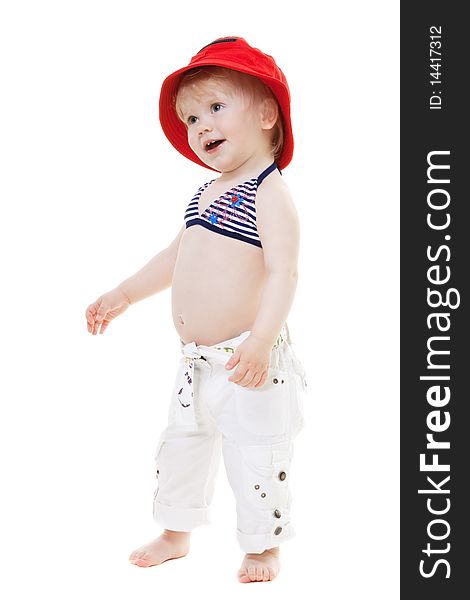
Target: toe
243 576
141 563
135 554
141 558
266 575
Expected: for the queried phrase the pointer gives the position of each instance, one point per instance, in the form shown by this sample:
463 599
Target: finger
90 315
101 313
247 379
100 317
262 379
251 383
96 326
238 375
104 326
257 378
232 362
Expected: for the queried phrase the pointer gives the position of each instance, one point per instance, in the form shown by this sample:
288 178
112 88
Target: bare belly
217 286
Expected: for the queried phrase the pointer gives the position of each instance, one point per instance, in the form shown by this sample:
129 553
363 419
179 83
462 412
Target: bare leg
171 544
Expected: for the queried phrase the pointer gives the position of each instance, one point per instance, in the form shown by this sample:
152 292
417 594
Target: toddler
240 388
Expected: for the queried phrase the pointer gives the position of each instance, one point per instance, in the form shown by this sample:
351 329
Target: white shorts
254 429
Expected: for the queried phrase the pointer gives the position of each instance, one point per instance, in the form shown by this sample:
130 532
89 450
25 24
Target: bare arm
155 276
278 227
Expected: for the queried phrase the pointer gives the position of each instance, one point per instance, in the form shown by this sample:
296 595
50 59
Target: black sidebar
434 303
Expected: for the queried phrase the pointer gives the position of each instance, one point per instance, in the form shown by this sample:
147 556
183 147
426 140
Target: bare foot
171 544
260 567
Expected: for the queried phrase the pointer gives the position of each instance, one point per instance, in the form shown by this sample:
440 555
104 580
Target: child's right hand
105 309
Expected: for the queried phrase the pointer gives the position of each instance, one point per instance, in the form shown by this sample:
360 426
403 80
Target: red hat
232 53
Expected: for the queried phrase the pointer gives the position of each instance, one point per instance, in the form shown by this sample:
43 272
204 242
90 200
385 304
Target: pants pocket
300 371
265 499
265 410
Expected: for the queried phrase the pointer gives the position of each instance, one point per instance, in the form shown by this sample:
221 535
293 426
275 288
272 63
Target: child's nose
204 126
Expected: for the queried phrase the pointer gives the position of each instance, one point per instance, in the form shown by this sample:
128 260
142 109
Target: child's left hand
252 357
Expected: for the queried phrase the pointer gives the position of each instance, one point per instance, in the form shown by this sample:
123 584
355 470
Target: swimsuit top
234 213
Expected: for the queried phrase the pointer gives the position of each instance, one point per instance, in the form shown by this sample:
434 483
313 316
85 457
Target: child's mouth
212 146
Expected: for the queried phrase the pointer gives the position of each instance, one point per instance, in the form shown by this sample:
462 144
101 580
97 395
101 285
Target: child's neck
248 170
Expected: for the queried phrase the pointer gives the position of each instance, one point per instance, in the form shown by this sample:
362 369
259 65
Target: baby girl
232 268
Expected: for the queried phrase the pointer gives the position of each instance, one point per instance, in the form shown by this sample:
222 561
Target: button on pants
253 428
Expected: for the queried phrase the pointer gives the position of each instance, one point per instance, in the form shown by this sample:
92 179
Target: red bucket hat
232 53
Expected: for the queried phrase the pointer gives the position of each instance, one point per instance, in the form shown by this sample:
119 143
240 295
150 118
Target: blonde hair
247 86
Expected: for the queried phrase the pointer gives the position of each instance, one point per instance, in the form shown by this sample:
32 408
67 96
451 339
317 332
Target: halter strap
267 171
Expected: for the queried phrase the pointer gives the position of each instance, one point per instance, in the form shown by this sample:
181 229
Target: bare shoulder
277 222
274 197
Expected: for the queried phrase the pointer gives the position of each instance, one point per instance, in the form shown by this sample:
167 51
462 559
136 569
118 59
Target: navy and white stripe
232 214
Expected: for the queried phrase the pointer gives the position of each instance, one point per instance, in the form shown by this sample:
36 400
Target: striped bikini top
234 213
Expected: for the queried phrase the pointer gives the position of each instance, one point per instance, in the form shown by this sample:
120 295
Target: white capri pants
254 428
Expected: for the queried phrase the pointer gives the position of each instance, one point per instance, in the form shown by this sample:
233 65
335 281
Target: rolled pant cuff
258 543
180 519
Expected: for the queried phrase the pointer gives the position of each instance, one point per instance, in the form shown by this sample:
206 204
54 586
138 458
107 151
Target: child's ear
269 113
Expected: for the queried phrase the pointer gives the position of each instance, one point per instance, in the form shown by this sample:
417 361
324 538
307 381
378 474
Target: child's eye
191 120
216 107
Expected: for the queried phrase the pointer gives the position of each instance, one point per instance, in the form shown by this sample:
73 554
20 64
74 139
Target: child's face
224 129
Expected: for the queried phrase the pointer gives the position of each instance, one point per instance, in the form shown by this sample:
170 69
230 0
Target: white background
90 191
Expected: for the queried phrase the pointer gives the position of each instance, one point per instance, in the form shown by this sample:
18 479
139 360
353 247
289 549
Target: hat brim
176 131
